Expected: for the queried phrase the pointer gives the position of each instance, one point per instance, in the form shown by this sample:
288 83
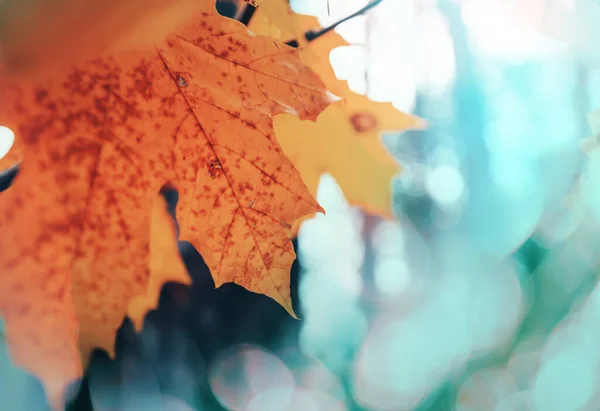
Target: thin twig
313 35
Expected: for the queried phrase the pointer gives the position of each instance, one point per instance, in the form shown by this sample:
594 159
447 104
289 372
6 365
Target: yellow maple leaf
355 157
275 11
276 19
346 139
99 141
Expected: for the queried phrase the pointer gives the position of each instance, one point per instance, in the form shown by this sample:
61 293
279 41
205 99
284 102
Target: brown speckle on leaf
214 168
363 122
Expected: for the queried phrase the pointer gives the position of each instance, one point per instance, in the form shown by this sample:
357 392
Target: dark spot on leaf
363 122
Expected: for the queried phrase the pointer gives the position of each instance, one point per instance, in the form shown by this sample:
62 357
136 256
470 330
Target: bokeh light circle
248 375
7 139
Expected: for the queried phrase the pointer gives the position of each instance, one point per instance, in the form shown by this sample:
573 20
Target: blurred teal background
483 295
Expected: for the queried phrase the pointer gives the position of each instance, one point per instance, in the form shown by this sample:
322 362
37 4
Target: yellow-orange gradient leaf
99 142
346 140
286 27
275 18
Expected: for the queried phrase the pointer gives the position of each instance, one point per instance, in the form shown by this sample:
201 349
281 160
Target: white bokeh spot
7 139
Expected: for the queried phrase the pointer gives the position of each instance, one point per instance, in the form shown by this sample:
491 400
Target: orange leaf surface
100 140
36 35
165 263
345 141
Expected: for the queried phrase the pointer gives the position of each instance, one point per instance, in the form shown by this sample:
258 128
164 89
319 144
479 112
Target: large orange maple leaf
100 140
